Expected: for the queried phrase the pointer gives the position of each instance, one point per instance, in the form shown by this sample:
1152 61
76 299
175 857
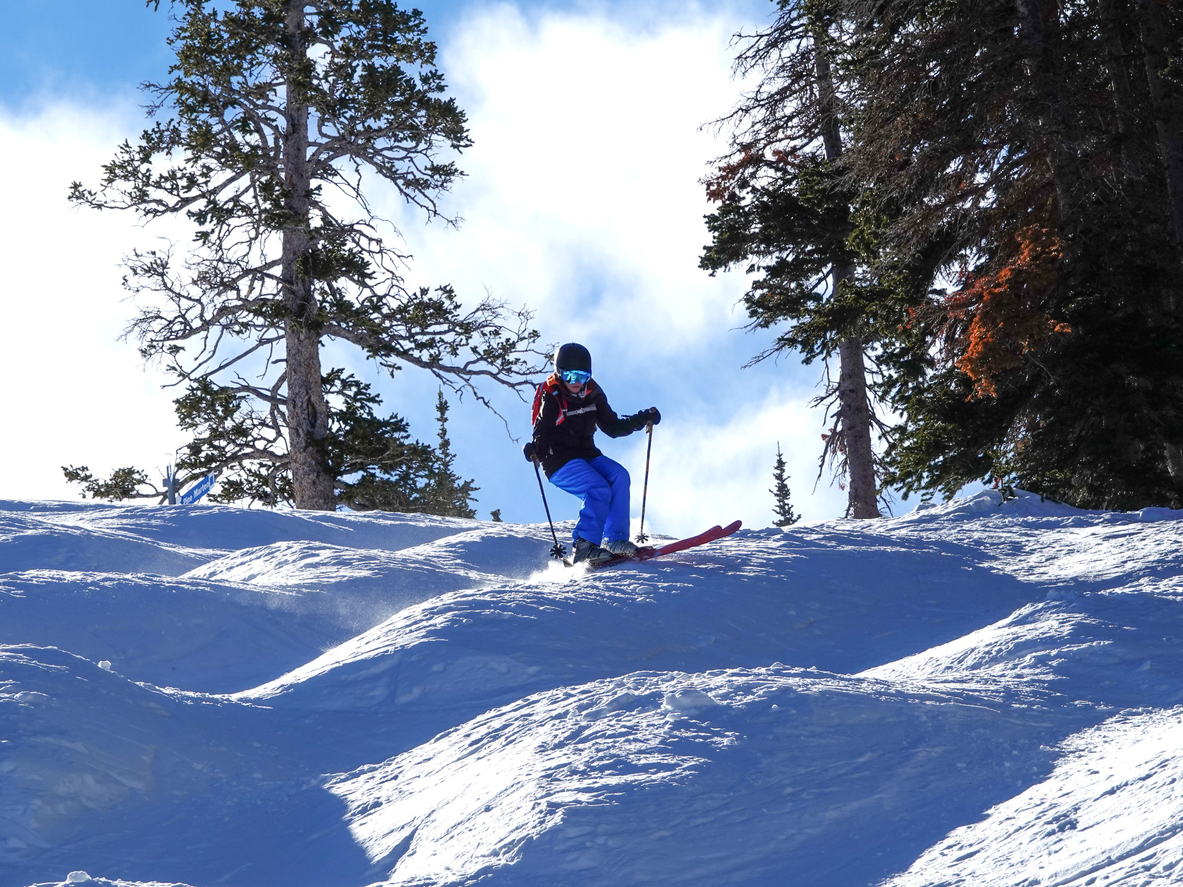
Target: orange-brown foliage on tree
996 319
748 162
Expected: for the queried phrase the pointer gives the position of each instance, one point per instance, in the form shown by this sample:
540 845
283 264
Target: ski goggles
574 377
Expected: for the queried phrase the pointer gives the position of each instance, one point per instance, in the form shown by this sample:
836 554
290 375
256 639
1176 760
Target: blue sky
582 202
71 46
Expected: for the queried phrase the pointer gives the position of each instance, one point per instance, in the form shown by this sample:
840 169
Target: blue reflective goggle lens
575 377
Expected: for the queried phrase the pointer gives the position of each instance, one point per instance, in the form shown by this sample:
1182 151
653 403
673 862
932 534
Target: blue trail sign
199 489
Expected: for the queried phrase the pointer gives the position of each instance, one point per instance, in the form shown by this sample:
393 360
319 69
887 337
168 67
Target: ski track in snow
974 694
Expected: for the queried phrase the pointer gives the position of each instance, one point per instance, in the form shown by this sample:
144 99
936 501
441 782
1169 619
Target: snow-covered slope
976 694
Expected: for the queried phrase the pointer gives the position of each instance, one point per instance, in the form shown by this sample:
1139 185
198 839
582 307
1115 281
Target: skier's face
574 389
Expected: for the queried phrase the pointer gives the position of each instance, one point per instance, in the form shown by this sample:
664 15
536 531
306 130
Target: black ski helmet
572 357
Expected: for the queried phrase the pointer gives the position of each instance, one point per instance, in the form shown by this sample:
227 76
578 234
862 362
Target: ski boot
623 548
589 553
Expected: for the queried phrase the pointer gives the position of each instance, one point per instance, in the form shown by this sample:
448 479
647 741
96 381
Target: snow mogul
568 407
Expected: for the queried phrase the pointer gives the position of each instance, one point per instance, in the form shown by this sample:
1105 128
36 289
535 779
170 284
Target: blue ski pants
603 485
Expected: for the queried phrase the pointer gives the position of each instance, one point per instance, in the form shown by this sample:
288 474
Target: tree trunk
854 412
1116 35
307 413
1167 101
1040 30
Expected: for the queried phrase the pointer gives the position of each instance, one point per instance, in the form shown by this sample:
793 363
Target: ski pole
641 537
557 552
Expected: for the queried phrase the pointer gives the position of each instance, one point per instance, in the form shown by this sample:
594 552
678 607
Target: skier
567 408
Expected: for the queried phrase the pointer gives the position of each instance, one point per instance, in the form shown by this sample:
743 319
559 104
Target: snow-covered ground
975 694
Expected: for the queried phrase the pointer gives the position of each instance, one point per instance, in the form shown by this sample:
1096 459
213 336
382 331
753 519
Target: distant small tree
446 493
495 515
785 516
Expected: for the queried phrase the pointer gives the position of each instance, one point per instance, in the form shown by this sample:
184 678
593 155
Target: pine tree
446 493
276 117
1021 144
786 215
785 516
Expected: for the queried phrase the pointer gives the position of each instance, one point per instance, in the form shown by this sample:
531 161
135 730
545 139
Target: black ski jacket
564 425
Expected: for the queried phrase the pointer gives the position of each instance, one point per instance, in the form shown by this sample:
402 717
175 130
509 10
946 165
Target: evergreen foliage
276 118
378 465
785 515
124 483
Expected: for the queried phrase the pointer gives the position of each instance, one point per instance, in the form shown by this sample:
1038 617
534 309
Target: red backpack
550 386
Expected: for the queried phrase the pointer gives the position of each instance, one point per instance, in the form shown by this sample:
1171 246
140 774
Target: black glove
529 452
643 418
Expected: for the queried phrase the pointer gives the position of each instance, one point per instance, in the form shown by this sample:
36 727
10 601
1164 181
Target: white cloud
74 394
582 196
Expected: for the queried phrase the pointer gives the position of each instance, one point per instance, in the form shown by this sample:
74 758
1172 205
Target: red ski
649 553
